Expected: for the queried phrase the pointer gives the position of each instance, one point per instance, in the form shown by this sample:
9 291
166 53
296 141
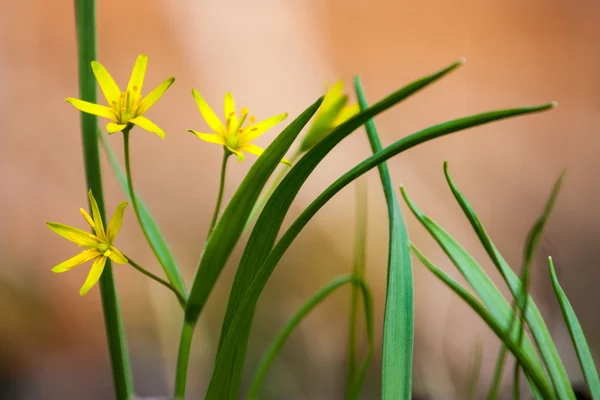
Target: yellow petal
82 238
137 75
98 225
148 125
257 151
154 95
230 115
109 87
254 131
112 127
88 218
240 156
208 137
94 275
346 113
117 256
209 116
91 108
115 222
79 259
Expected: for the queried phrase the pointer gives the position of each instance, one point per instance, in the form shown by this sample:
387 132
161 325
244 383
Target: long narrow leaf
242 318
529 361
398 322
579 342
226 379
299 316
150 228
539 330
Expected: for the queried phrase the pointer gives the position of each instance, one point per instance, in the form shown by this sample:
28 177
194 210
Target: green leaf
529 361
310 305
398 323
150 228
85 21
579 342
539 330
491 297
241 320
228 231
226 380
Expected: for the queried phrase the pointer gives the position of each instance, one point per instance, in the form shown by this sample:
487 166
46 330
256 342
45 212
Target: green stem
358 270
180 296
156 278
215 217
85 17
183 358
310 305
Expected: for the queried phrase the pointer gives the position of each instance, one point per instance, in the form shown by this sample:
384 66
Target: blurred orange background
276 56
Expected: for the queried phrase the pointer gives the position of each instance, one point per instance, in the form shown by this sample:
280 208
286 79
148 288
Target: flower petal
115 222
154 95
345 114
82 238
94 275
91 108
257 151
79 259
148 125
117 256
98 224
254 131
109 87
209 116
240 156
88 218
230 114
113 127
137 75
209 137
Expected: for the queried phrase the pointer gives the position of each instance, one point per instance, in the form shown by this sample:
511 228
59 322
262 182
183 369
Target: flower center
103 247
128 105
235 133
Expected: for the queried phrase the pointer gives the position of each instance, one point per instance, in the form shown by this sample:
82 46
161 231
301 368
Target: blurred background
276 56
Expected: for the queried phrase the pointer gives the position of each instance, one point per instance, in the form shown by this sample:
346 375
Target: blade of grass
538 328
242 319
529 361
398 323
226 380
474 274
85 19
228 231
299 316
150 228
579 342
358 270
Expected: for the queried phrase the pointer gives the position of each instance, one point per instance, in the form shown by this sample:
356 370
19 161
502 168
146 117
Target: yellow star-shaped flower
99 246
233 135
333 112
125 107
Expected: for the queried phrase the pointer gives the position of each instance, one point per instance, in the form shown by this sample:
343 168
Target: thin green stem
156 278
183 358
180 296
358 270
264 197
215 217
85 17
306 308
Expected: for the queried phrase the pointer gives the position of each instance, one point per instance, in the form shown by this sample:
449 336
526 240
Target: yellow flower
233 135
125 107
99 246
333 112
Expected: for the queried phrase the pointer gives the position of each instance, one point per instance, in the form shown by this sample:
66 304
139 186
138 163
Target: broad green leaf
226 380
491 297
242 317
149 227
228 231
579 342
299 316
539 330
398 323
529 361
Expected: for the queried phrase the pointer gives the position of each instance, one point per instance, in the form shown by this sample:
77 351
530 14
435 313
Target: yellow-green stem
183 358
215 217
156 278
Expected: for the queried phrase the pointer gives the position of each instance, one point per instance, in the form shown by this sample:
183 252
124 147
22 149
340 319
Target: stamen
251 119
135 88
